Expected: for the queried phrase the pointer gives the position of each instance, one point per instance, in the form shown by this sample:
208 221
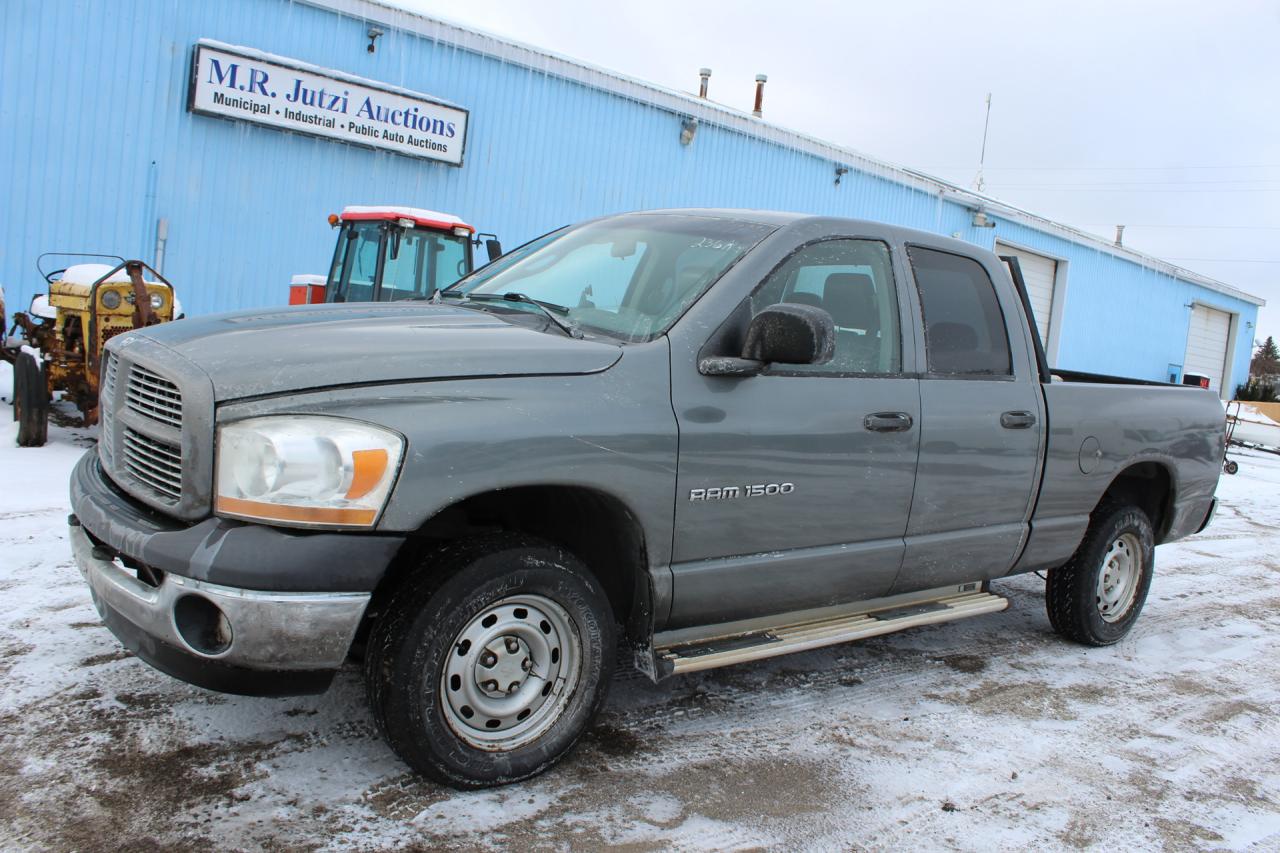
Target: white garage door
1038 272
1207 344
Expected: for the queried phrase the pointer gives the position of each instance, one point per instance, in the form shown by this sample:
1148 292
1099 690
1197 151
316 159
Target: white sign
244 84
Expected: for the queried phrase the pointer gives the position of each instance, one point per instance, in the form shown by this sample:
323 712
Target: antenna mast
982 158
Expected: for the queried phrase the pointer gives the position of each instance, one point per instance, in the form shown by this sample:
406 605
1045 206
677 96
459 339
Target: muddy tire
491 661
30 401
1098 594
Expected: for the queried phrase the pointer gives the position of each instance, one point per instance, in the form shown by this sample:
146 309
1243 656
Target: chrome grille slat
106 406
151 470
152 393
155 415
159 392
154 389
147 457
153 396
154 463
160 450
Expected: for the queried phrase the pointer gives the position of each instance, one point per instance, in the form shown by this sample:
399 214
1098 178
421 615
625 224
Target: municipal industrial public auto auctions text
402 120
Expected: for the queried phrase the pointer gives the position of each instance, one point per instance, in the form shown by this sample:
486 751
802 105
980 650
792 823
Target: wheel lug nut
489 659
515 685
491 685
512 645
526 664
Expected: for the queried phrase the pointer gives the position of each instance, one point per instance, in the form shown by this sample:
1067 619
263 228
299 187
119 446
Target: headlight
305 470
111 299
157 301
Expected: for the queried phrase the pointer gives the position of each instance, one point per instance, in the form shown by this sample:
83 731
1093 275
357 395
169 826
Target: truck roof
420 216
784 218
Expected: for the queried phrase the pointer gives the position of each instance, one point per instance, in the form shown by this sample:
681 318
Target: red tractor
385 253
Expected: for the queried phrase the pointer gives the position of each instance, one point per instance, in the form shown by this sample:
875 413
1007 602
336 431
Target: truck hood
251 353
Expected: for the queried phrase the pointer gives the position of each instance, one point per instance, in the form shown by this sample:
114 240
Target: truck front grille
153 463
153 396
157 418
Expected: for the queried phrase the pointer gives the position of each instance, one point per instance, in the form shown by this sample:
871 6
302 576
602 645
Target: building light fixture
688 130
980 219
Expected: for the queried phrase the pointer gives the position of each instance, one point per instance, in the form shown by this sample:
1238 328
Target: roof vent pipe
761 79
1119 235
705 74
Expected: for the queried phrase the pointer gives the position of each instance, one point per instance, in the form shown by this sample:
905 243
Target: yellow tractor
57 344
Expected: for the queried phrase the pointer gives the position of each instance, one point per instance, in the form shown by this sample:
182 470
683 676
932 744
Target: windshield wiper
547 308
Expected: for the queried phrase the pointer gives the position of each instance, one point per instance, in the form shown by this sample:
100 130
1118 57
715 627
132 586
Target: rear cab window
964 328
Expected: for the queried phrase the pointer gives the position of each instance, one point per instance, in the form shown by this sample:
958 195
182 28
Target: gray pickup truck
716 435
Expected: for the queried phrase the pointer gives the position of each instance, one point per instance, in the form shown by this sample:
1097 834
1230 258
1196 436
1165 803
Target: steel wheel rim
1118 578
510 672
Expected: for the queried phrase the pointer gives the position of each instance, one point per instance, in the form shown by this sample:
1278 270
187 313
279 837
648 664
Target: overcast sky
1162 116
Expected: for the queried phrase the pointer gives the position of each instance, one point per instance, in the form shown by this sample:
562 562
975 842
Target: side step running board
786 639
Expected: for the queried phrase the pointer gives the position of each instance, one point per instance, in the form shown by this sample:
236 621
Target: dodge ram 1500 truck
721 435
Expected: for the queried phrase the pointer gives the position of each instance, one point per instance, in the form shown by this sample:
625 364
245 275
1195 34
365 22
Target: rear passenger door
981 424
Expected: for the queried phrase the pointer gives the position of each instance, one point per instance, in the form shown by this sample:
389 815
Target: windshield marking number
718 245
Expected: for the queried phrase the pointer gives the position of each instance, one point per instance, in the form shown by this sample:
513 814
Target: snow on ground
982 734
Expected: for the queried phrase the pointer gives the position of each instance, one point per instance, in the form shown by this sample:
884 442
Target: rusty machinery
57 345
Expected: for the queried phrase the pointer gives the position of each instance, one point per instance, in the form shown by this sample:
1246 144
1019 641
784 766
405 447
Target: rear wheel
1098 594
30 401
488 668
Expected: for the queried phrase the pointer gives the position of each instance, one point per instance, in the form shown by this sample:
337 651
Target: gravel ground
982 734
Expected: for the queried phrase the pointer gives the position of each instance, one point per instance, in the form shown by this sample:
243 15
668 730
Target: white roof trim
418 213
686 104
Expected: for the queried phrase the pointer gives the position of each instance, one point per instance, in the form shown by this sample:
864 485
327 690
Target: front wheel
489 667
1097 595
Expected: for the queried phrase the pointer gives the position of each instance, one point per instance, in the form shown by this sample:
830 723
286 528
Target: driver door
794 486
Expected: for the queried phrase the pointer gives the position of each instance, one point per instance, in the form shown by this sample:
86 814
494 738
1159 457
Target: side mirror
786 333
493 248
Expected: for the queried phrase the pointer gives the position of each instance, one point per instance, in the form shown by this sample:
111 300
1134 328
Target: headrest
802 298
850 297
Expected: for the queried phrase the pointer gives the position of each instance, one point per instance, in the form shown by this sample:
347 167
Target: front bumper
254 643
194 625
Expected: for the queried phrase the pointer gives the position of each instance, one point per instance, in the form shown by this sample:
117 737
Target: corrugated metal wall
96 145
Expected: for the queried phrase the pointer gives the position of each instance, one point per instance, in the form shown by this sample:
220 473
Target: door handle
1017 420
888 422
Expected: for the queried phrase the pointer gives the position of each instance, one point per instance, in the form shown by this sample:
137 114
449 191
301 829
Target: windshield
629 277
424 261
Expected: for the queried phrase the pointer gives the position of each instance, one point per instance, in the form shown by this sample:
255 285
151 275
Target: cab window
425 262
852 280
964 330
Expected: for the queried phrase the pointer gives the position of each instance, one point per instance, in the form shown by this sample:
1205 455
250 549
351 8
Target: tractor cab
388 253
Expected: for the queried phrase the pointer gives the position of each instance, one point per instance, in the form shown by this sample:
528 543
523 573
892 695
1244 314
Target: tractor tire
30 401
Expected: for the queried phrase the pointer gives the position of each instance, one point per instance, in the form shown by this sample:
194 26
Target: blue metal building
99 151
